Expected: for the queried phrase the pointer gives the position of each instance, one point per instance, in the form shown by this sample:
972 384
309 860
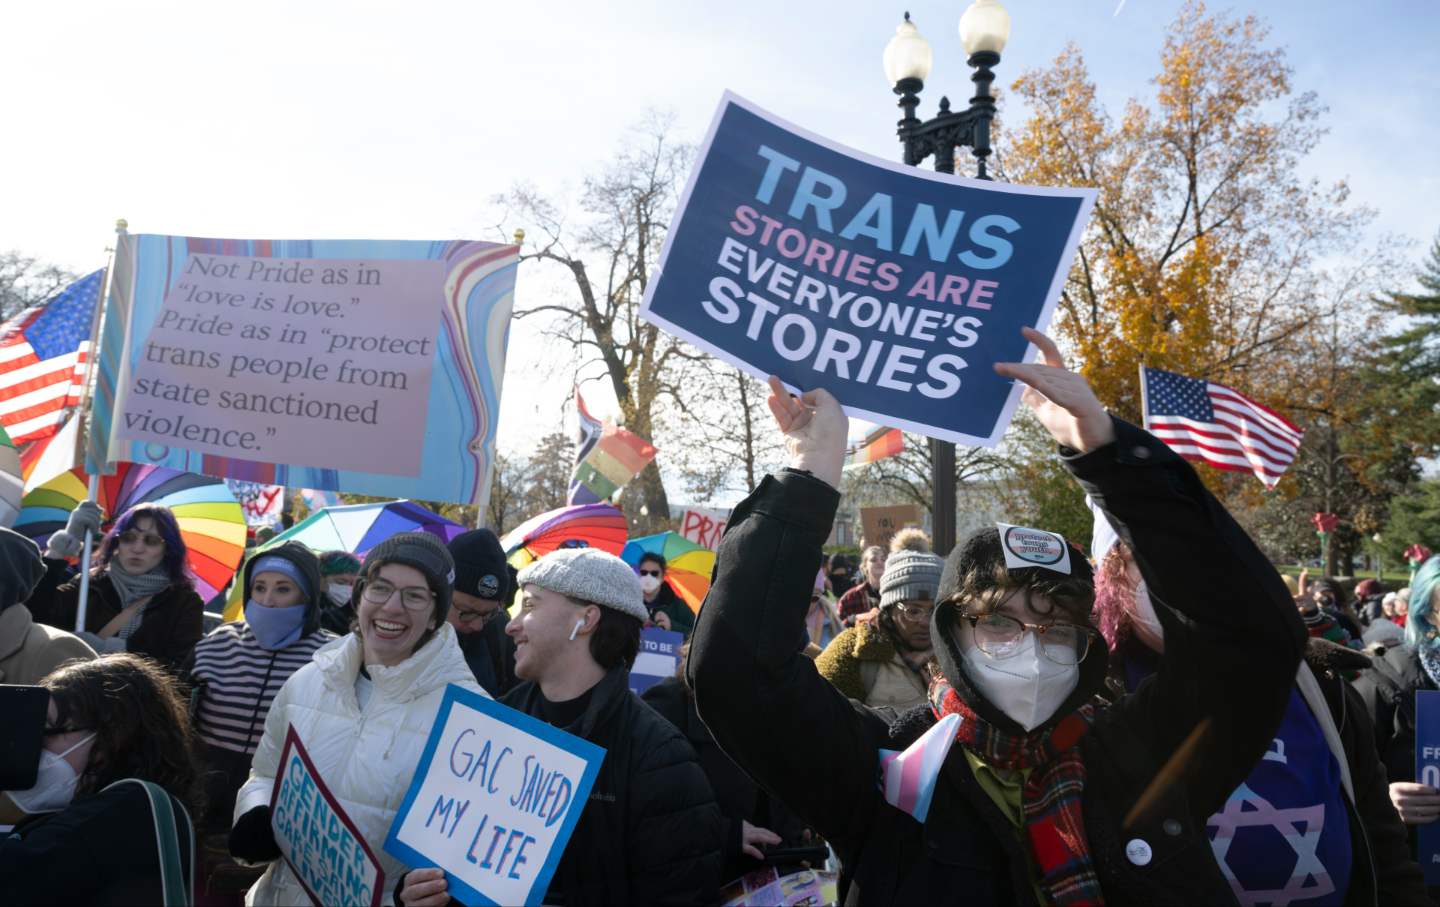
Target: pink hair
1114 597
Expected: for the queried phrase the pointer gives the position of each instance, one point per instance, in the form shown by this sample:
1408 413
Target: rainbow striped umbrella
12 481
688 566
578 526
211 522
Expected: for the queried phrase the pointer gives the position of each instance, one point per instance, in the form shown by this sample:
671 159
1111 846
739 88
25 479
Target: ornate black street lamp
984 29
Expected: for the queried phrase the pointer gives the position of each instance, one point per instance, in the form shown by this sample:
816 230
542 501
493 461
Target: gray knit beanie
425 553
910 576
589 575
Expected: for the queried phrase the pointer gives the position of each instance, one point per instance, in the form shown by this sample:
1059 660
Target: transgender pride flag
908 779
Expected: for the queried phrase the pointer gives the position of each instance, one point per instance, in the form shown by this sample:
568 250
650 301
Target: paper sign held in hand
495 799
322 846
893 288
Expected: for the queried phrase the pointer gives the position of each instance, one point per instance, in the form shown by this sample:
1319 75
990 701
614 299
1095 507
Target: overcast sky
401 120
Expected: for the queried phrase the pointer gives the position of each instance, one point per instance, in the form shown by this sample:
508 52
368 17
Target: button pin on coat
1139 852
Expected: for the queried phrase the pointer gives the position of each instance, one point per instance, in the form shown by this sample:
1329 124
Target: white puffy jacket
366 759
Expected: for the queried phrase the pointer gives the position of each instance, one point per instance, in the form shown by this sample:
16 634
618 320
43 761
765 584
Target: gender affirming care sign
370 366
494 801
1427 771
893 287
322 846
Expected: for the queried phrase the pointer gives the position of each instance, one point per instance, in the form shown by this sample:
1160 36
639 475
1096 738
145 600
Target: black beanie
480 566
981 553
425 553
21 567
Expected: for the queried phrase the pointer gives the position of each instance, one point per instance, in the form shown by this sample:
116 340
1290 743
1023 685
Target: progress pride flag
893 287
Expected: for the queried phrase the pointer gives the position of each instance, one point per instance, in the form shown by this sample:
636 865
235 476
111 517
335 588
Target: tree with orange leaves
1197 254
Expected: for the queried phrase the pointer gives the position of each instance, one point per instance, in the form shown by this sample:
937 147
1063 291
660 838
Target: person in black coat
1044 796
667 610
1322 763
650 832
754 819
484 587
91 838
1388 691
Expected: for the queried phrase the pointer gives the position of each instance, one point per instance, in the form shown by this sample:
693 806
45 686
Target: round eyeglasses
414 598
999 636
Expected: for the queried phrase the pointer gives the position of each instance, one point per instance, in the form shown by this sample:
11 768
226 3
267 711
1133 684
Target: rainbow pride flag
879 444
908 779
617 457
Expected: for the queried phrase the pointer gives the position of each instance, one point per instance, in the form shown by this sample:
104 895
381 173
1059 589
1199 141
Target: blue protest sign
322 846
893 287
659 657
494 801
1427 771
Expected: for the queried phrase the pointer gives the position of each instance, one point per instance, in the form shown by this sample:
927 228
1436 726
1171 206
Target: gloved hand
252 840
103 646
86 517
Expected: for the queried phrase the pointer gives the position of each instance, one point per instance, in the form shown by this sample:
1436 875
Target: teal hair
1422 603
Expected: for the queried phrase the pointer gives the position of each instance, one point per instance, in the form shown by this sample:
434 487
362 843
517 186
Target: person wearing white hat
651 832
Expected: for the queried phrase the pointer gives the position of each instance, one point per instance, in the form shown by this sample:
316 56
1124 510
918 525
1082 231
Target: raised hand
1061 399
814 427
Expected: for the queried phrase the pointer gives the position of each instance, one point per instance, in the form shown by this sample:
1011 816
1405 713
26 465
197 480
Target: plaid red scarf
1054 825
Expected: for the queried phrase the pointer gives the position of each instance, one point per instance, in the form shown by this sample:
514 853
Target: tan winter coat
863 664
29 651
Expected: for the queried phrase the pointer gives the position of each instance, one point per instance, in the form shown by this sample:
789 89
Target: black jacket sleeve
1233 639
767 706
47 603
676 830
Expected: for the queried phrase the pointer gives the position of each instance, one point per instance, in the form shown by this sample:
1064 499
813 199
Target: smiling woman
363 706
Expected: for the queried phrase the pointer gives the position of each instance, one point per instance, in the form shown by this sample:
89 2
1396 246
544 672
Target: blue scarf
275 628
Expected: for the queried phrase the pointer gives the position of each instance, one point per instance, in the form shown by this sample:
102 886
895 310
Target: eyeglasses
999 636
466 617
414 598
915 613
649 572
150 539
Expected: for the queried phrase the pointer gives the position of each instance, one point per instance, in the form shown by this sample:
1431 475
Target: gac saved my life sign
495 799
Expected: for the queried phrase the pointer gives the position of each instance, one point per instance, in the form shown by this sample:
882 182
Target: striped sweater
236 680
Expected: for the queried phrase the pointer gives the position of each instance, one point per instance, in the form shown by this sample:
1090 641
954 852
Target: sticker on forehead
1033 548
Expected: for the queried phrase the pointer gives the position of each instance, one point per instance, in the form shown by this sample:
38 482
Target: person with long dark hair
141 598
92 835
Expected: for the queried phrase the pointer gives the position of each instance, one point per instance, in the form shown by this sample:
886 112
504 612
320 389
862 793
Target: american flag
1212 423
43 352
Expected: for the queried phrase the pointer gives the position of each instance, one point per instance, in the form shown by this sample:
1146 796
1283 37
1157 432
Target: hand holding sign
815 429
1061 399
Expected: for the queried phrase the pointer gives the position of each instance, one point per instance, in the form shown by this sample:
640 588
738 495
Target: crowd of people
1165 721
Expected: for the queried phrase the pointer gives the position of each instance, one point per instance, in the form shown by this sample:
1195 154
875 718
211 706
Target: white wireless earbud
578 624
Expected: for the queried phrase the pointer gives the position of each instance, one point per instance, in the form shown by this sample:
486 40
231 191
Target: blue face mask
275 628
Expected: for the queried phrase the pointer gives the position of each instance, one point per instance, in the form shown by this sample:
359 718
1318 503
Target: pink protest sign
317 362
